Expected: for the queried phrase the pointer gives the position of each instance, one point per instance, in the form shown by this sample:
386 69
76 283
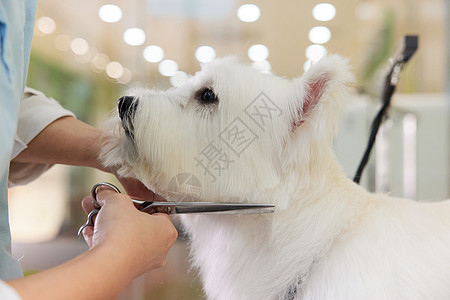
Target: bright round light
153 54
134 36
178 79
168 67
262 66
258 52
324 12
248 13
319 35
315 52
114 69
46 25
205 54
110 13
79 46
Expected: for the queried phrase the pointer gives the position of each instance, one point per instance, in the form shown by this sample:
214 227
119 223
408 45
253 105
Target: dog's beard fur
289 163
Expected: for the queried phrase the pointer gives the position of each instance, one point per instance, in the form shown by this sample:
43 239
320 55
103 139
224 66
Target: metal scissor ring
94 192
90 216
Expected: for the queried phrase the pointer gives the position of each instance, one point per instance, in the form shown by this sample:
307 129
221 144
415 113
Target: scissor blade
223 208
204 207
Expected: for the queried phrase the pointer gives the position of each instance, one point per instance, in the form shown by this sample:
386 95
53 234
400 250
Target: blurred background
87 53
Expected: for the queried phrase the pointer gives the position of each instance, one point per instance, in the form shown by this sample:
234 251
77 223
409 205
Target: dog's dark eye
207 96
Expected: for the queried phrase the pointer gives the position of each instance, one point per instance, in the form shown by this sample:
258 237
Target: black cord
410 45
387 95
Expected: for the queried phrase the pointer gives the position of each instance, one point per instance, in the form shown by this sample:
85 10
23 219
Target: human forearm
65 141
72 142
96 274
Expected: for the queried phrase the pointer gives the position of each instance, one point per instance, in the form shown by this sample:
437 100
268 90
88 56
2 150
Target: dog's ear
316 85
313 90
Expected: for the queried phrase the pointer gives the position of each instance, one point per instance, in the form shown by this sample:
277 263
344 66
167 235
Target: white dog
233 134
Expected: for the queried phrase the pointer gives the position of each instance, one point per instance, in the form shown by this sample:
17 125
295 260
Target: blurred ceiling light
114 69
153 54
168 67
79 46
315 52
262 66
126 76
134 36
205 54
110 13
62 42
258 52
178 78
248 13
324 12
319 35
99 61
46 25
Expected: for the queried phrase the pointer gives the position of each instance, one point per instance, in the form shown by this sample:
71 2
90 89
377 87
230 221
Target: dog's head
230 131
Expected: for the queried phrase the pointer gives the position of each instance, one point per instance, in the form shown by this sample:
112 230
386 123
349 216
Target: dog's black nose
126 106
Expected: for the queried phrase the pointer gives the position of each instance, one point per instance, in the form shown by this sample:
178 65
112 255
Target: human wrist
93 146
117 262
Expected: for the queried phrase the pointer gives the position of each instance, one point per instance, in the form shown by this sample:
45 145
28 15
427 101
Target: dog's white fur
329 238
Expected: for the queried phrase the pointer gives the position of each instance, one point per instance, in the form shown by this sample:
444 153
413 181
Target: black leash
410 45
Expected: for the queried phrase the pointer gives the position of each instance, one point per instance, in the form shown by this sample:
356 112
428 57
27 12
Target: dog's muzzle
127 108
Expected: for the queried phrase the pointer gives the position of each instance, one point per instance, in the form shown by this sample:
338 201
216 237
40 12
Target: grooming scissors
152 207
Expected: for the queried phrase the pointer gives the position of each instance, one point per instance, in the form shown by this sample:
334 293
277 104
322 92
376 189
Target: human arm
64 141
48 134
72 142
124 243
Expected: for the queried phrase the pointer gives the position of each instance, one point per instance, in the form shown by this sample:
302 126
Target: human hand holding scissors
152 207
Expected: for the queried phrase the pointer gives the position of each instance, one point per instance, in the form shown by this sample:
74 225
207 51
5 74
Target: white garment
36 112
7 292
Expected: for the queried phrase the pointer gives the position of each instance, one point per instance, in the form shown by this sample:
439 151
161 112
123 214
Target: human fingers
88 207
106 194
88 233
87 204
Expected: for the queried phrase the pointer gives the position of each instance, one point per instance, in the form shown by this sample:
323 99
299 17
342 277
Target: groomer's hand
132 238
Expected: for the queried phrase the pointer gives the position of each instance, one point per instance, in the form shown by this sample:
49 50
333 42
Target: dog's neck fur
270 240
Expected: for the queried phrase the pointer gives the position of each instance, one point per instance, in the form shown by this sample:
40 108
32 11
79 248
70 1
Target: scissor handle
94 191
89 222
90 217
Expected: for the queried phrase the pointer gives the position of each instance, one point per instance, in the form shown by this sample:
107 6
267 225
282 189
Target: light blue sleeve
16 29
